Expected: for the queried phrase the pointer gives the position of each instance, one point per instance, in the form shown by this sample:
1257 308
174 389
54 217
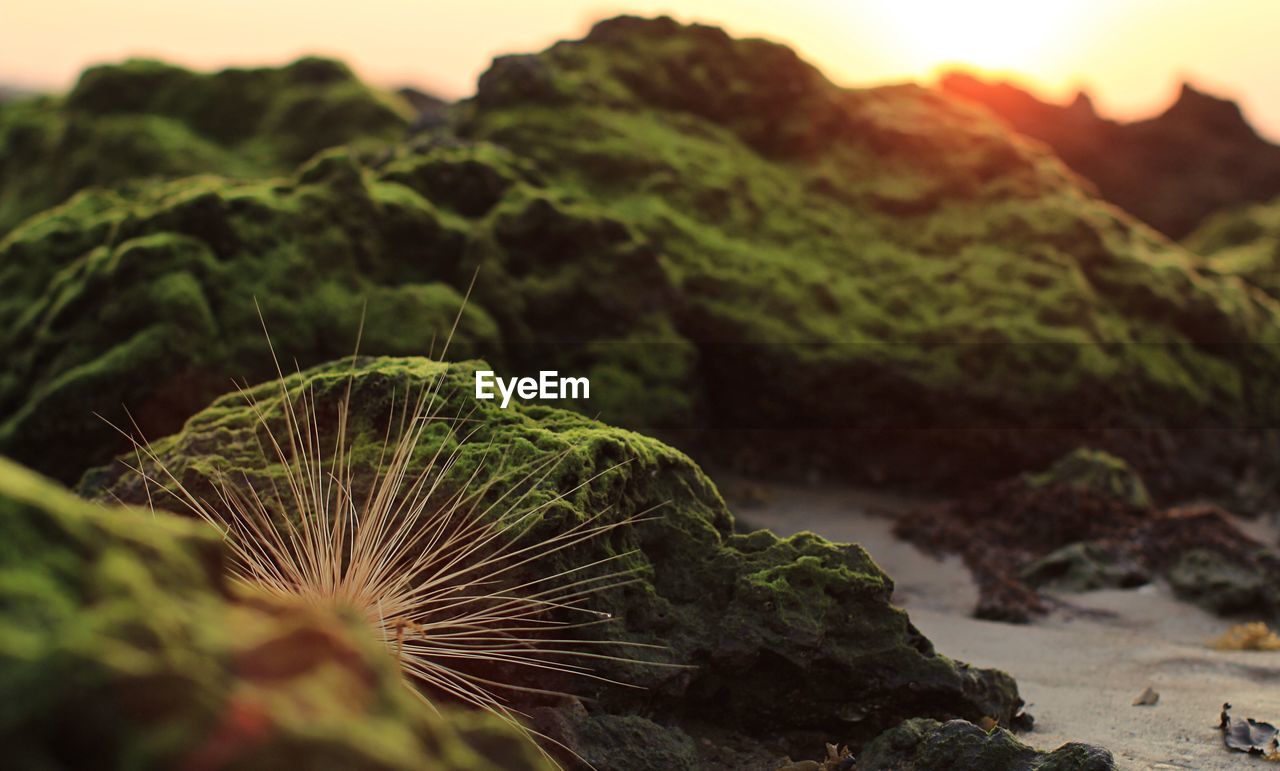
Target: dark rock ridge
121 645
927 745
1087 524
787 638
1171 171
144 119
885 283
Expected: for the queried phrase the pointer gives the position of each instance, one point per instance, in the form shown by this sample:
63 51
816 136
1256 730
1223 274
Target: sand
1079 669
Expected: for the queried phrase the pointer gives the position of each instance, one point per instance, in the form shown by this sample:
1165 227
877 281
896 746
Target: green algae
149 301
896 240
706 227
772 635
1097 472
927 745
145 118
121 642
1243 243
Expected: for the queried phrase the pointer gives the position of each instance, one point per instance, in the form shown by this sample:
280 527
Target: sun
982 34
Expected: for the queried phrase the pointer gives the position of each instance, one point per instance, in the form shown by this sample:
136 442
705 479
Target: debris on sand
1148 698
1249 735
1254 636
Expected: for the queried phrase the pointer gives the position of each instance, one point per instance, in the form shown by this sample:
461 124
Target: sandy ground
1080 669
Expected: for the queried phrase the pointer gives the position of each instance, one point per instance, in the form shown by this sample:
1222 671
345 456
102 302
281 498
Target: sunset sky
1130 54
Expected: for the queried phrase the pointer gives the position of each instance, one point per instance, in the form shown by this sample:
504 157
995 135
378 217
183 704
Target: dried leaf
1249 735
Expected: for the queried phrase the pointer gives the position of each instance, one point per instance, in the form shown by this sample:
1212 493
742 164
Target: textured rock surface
148 301
711 231
1243 242
785 636
897 241
1096 471
1171 171
1084 524
927 745
145 118
120 646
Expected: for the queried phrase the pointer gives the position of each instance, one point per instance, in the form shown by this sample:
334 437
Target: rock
783 635
432 111
121 642
1097 471
1083 567
1076 527
705 226
618 742
1221 584
927 745
1243 242
1172 170
144 119
155 307
799 219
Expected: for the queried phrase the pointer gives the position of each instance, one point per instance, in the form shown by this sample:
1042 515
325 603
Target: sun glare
983 34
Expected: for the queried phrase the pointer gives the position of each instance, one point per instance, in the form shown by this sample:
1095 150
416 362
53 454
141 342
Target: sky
1130 55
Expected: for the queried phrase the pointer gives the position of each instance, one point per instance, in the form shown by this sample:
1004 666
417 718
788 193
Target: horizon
1053 50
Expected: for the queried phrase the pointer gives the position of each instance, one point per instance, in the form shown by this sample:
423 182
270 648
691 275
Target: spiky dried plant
442 568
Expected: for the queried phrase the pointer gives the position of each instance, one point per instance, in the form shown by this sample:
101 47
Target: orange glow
1005 35
1131 54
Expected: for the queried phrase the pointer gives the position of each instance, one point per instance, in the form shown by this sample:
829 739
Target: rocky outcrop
122 644
1171 171
927 745
945 299
144 119
884 284
1085 524
1243 243
776 638
149 303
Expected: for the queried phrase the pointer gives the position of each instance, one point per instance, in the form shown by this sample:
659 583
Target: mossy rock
1243 243
881 282
780 635
122 643
1222 585
1084 567
927 745
148 302
892 266
1097 472
145 118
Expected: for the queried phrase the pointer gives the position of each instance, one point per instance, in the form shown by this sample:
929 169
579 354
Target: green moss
120 641
946 273
144 118
927 745
779 634
1243 243
1097 472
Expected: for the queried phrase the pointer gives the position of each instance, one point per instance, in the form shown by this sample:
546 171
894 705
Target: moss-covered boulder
1243 243
893 261
780 636
1084 524
145 118
1097 471
121 646
149 301
884 282
927 745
